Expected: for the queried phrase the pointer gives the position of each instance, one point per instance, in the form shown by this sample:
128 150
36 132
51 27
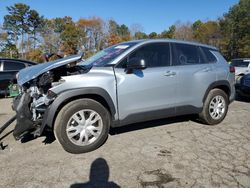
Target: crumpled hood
32 72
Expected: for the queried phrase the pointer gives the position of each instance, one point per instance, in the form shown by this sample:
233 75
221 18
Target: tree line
28 35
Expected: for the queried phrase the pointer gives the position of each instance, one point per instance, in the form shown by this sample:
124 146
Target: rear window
209 55
11 65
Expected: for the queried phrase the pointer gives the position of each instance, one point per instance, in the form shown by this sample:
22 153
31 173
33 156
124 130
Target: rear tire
82 126
215 107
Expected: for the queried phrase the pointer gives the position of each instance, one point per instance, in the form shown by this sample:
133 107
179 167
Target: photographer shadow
98 177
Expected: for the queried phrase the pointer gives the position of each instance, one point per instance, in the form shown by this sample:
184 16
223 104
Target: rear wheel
82 126
215 107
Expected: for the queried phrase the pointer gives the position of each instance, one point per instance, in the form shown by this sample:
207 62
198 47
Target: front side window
185 54
13 66
154 55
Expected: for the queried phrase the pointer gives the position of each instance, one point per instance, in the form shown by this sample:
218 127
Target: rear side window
209 56
11 65
185 54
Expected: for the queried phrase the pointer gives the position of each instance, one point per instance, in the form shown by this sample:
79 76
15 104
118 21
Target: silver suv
127 83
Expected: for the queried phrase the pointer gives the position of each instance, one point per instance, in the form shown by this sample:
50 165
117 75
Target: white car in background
242 66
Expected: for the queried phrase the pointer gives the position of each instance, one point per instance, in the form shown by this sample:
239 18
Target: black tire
205 116
64 116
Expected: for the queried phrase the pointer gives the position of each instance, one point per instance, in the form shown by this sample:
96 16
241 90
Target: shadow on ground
49 137
5 135
2 144
154 123
98 177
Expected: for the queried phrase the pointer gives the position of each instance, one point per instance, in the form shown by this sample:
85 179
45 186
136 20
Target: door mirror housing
136 63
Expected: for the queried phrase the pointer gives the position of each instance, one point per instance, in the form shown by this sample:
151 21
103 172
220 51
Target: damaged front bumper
24 117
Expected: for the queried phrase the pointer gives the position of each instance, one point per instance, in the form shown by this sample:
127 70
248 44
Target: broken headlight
51 94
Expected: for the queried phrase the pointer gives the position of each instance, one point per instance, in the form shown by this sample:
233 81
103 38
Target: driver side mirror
136 63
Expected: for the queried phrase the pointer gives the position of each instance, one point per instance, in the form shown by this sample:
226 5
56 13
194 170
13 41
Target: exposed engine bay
36 97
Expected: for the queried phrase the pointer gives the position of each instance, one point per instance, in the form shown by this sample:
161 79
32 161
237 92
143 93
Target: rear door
195 74
149 93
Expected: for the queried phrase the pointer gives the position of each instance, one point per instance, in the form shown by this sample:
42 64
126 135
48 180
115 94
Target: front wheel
215 107
82 126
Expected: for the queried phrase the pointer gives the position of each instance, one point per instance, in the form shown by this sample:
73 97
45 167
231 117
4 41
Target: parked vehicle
242 65
243 85
127 83
8 71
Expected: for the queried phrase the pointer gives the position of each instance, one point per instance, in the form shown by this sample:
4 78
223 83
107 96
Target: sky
153 15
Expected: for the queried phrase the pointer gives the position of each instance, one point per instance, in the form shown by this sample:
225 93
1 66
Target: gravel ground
175 152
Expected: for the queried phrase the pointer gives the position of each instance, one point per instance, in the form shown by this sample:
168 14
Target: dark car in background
8 70
243 86
242 66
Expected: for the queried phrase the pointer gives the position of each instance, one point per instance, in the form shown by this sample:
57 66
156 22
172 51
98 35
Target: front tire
82 126
215 107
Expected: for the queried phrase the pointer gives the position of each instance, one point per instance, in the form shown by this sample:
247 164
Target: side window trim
215 56
203 55
170 54
173 54
1 65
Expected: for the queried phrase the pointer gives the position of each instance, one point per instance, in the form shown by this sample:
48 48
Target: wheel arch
98 94
223 85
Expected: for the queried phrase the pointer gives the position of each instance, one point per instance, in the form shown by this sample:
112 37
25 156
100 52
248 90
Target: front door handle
169 73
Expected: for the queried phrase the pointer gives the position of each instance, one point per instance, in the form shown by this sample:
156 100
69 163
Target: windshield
240 63
107 55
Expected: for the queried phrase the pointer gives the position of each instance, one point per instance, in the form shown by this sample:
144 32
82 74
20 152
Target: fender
66 96
218 84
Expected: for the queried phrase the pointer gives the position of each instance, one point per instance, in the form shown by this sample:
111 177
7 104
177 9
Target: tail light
232 69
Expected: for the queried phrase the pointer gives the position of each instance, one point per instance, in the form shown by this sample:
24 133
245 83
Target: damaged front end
30 107
35 98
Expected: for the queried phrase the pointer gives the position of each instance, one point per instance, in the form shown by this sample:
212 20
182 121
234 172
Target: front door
150 93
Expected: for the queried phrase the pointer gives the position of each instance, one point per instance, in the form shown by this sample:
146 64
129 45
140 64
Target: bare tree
183 31
135 28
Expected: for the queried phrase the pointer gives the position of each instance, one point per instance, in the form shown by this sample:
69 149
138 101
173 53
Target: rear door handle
169 73
207 69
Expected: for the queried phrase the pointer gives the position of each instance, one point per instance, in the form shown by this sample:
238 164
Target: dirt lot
176 152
